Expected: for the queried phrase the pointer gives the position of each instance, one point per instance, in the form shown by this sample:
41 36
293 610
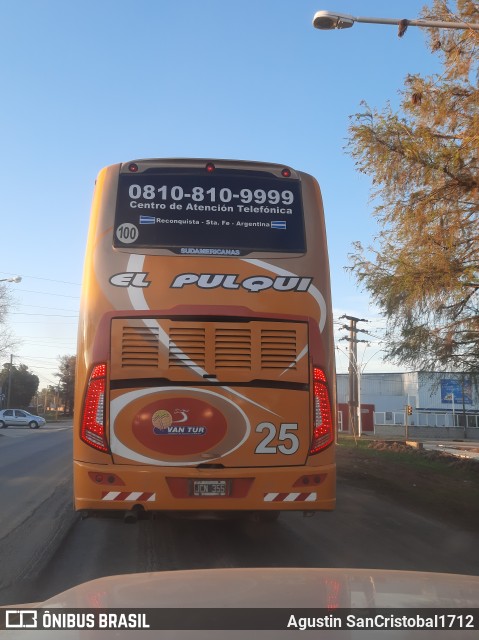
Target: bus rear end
205 374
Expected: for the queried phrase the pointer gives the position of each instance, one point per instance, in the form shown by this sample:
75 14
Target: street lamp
15 279
327 20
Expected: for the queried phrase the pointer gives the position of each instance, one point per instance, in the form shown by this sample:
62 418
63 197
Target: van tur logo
165 424
230 281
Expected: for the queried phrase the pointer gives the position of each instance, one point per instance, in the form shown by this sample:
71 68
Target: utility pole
354 372
464 416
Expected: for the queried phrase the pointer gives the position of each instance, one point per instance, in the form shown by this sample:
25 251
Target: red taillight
210 167
93 421
323 432
286 173
99 371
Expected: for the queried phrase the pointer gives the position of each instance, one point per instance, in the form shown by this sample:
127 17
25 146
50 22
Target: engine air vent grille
200 350
187 346
139 347
278 349
233 348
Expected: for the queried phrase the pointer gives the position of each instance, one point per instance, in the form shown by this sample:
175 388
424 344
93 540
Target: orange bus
205 379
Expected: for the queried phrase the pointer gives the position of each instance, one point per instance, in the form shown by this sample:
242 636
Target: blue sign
451 391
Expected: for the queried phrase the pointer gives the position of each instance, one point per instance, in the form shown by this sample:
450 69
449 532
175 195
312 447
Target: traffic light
409 410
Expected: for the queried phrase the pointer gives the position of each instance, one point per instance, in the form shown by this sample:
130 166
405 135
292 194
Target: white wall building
437 399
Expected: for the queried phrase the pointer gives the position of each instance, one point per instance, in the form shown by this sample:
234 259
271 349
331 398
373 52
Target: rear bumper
123 487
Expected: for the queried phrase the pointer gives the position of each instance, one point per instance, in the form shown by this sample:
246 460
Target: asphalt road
35 500
366 531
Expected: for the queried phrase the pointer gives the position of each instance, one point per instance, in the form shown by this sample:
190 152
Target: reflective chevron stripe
290 497
129 496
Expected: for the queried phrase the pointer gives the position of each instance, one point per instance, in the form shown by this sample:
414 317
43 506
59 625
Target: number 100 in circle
127 232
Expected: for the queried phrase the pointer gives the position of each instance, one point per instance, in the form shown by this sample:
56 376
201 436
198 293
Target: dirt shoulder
431 482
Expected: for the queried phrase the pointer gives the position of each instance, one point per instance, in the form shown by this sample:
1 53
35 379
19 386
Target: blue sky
87 84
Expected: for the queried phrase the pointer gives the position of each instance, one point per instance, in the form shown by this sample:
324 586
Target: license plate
209 488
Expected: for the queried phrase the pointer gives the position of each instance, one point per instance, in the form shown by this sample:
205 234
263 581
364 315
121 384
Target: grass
52 416
416 458
434 483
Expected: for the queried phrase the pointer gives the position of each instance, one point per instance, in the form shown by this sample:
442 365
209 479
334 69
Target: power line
71 340
65 346
37 357
44 315
58 324
77 284
41 338
46 293
36 366
52 382
36 306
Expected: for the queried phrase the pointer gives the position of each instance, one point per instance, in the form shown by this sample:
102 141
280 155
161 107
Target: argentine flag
147 220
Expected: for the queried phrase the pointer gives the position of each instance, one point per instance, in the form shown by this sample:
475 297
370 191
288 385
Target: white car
14 417
254 604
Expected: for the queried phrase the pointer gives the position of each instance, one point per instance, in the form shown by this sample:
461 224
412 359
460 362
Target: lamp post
328 20
15 279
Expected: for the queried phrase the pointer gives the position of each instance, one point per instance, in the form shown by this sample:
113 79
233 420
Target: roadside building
436 399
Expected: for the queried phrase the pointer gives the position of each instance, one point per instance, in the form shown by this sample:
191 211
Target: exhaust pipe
131 517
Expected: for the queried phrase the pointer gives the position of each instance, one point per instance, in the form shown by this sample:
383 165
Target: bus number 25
285 435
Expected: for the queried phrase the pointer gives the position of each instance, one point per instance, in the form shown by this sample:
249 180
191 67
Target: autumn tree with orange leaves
422 269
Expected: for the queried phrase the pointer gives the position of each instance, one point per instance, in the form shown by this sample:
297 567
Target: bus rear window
193 213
